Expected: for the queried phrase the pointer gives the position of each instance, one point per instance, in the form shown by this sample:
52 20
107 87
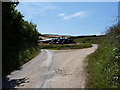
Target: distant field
65 46
47 36
88 39
93 39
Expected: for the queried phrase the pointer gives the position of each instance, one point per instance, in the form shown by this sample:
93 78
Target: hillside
47 36
93 39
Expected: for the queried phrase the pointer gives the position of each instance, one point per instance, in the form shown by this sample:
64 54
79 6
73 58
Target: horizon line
60 0
70 34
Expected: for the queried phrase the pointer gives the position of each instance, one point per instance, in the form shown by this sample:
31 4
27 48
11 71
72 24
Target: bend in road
53 69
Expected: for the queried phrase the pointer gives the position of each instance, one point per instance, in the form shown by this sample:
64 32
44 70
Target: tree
18 35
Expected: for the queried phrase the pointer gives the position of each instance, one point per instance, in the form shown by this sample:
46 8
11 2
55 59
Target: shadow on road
6 83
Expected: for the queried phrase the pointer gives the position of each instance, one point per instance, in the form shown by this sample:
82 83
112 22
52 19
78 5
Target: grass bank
66 46
104 64
27 54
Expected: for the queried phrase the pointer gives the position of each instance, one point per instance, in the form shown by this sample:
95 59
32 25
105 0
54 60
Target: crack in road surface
55 69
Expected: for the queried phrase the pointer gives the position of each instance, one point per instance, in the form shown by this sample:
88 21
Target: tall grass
104 65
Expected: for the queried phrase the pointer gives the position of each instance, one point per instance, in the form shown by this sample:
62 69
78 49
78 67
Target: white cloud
81 13
67 17
61 14
78 14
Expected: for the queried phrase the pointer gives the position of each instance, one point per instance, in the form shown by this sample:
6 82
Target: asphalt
52 69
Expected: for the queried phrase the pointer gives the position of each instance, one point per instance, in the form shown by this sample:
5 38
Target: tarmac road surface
53 69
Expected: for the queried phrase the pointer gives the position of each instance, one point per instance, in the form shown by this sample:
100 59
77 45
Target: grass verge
104 64
66 46
27 54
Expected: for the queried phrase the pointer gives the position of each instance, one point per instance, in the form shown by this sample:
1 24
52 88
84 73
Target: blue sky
70 18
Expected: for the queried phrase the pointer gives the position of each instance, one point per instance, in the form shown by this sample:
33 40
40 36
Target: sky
70 18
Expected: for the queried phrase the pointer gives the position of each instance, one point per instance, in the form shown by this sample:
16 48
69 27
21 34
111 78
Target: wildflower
114 49
118 36
117 57
27 50
115 77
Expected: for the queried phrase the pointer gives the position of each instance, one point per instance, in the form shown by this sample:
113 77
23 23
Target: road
53 69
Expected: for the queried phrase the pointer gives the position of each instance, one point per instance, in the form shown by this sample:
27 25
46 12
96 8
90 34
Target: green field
65 46
88 39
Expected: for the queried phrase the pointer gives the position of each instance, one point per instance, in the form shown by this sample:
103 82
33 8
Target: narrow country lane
54 69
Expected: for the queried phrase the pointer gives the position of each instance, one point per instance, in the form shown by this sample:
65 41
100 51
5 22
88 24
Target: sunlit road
54 69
